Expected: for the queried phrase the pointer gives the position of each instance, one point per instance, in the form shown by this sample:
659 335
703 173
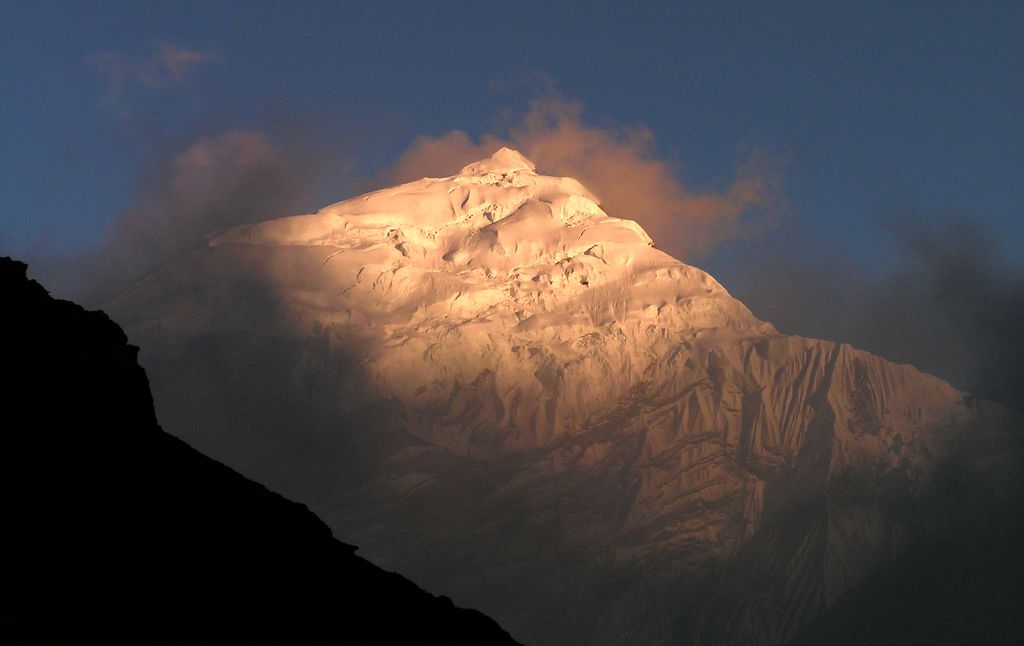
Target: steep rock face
580 415
116 532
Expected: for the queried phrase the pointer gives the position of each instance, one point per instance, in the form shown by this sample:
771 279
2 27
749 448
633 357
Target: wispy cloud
620 166
168 65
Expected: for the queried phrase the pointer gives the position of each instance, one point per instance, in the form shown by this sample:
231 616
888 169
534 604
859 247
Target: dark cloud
211 183
953 306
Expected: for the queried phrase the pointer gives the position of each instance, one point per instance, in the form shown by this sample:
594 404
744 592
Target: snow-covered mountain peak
496 270
457 356
498 214
502 242
505 159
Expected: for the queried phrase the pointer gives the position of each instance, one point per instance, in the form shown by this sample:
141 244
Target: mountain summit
503 160
497 273
493 386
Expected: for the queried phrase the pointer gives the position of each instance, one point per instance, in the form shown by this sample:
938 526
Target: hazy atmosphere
499 352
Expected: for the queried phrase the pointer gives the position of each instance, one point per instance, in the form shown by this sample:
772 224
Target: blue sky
871 106
890 124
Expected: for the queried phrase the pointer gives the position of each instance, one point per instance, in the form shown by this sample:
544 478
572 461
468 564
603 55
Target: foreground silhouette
116 530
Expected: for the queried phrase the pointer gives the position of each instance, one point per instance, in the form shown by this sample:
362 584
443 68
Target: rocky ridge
117 532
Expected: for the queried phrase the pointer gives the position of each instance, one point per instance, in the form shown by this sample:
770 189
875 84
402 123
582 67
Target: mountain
116 532
495 387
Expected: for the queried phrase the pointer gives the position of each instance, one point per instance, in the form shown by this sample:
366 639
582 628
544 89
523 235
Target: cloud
951 307
168 65
243 176
956 307
214 182
621 167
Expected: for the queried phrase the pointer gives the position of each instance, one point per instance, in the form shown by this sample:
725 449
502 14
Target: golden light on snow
433 272
501 314
620 167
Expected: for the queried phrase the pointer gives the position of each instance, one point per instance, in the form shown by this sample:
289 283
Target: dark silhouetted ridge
116 531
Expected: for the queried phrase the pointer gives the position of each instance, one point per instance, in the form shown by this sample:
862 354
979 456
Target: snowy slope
501 272
487 382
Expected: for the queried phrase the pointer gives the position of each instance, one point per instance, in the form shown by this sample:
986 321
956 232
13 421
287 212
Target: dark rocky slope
115 530
961 578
